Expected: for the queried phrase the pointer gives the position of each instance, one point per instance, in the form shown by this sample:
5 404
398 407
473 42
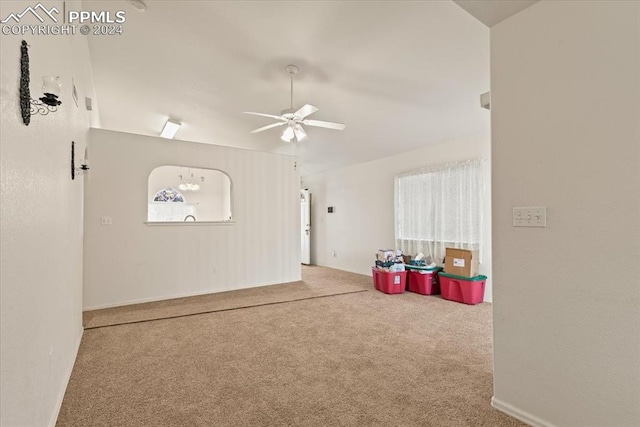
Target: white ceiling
400 75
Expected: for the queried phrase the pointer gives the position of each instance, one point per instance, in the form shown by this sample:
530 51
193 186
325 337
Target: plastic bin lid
468 279
417 267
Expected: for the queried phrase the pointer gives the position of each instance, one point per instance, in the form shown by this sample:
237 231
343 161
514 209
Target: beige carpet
317 283
357 359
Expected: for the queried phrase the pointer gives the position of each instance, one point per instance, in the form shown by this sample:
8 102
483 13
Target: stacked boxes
460 281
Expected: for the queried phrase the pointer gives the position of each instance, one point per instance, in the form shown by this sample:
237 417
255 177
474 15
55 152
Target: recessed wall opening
188 194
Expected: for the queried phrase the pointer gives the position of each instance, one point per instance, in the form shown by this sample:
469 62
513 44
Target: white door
305 226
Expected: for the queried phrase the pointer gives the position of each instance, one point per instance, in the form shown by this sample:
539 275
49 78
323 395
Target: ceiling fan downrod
292 70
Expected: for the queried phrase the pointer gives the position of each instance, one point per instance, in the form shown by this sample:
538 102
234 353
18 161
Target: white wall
130 261
363 201
41 226
565 115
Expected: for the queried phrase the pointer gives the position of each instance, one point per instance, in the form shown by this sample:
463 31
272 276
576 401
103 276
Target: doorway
305 226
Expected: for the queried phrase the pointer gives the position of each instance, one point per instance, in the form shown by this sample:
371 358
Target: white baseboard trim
333 267
516 413
67 377
182 295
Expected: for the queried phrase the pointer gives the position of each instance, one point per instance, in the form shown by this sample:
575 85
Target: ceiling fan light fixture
301 135
288 134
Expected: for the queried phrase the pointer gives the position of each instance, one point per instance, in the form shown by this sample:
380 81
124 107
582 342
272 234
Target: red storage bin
388 282
374 273
467 290
423 283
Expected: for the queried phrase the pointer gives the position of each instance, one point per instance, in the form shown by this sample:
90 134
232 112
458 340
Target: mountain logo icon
38 11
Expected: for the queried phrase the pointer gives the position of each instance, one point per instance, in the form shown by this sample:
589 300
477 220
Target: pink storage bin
467 290
374 273
388 282
423 283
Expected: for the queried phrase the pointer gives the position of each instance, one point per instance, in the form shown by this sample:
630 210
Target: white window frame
440 206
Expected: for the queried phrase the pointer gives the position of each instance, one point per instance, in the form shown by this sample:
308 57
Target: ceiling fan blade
266 115
305 111
268 127
300 133
328 125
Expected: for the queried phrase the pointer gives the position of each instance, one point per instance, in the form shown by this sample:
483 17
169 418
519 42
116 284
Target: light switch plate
530 217
105 220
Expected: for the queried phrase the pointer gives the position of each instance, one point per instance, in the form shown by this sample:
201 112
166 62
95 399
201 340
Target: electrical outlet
529 217
334 254
105 220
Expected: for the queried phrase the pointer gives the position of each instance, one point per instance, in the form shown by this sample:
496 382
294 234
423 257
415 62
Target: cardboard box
386 254
461 262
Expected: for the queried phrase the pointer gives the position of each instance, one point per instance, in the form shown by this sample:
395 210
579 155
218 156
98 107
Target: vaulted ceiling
400 75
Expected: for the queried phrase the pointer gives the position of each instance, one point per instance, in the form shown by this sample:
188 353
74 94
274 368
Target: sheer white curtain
438 207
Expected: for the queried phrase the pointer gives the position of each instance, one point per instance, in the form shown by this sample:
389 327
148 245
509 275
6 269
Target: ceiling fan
295 119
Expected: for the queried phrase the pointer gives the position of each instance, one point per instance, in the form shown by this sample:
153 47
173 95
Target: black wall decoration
73 160
46 104
25 95
84 167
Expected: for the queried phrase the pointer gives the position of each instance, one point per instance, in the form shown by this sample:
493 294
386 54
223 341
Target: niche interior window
187 194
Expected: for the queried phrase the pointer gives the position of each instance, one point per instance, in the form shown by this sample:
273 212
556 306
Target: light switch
105 220
529 217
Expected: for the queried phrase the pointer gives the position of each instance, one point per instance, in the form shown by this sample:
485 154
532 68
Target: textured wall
130 261
41 227
565 114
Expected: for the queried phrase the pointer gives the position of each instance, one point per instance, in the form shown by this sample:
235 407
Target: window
168 195
439 207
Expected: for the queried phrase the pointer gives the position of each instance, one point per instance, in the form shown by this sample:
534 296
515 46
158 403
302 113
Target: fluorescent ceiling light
170 128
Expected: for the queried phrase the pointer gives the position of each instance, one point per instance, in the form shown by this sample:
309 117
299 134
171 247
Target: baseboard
516 413
67 377
333 267
182 295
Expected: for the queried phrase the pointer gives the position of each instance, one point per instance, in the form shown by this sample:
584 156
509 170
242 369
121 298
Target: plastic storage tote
423 281
467 290
388 282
